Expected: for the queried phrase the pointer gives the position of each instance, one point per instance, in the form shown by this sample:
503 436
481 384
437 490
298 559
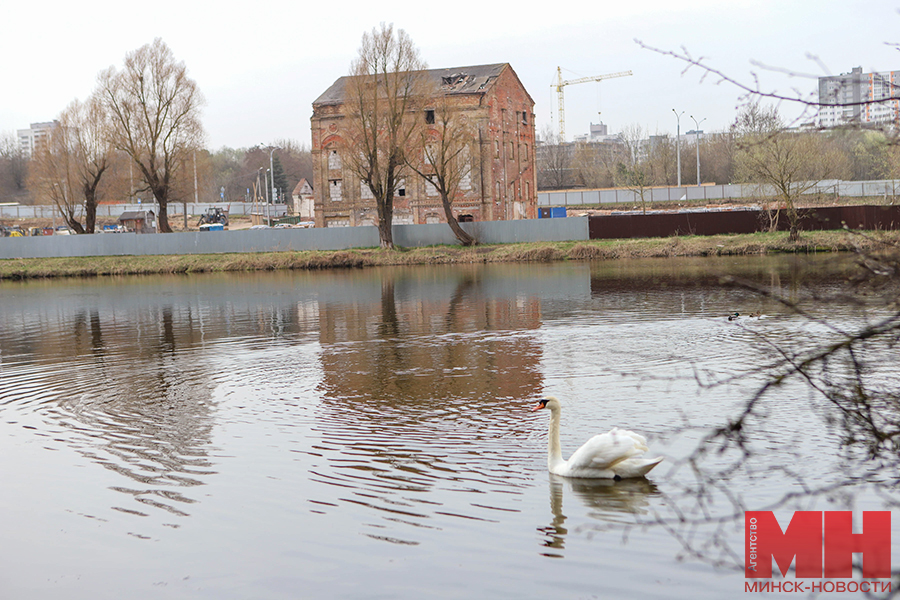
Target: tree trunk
90 217
385 223
162 219
464 238
90 209
793 216
772 214
90 201
73 223
160 193
385 235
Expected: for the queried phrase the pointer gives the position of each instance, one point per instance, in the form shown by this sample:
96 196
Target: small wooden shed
138 221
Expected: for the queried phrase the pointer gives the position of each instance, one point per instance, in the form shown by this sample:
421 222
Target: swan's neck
554 451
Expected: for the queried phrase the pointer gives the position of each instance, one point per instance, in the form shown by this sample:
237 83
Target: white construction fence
886 189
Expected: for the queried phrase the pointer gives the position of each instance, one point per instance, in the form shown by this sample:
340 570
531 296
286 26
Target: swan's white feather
617 453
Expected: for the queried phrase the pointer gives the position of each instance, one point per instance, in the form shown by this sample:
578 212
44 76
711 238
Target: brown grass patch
335 260
539 254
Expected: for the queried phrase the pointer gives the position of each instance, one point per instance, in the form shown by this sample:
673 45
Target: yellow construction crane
560 84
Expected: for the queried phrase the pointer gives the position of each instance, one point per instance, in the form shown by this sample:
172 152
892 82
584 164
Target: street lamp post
678 142
268 213
271 149
697 135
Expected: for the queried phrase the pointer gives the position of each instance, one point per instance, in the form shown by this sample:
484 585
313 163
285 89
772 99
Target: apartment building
31 139
858 98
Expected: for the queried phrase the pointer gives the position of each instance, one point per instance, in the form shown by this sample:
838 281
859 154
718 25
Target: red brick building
502 183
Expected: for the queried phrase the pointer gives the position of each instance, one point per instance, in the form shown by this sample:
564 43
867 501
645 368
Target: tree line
138 135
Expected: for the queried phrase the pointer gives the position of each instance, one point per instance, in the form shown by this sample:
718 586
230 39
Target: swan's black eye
543 402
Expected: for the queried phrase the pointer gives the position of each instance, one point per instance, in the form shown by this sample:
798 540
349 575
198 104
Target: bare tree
385 86
756 119
595 163
13 166
155 110
789 163
661 159
296 159
71 166
633 172
443 157
717 157
54 177
554 161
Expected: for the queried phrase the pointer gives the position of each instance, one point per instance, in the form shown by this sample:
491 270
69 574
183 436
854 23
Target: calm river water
367 433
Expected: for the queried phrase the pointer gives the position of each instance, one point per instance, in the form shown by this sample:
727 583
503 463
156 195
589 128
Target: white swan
613 455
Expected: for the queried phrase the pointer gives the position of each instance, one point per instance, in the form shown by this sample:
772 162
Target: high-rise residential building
31 139
859 98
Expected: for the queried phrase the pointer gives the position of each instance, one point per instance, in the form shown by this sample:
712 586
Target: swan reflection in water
607 500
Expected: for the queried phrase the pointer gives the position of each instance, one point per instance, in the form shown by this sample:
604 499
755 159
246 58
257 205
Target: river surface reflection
355 434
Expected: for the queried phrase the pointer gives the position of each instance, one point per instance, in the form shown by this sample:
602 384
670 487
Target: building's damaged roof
456 80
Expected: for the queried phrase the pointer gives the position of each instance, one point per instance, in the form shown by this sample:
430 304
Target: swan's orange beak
538 406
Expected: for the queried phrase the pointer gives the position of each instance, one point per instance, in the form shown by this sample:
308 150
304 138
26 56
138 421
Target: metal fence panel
696 193
558 198
657 194
530 230
856 189
277 240
591 196
609 196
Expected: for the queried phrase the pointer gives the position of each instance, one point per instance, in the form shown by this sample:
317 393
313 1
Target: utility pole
196 198
268 214
271 150
697 135
256 195
272 171
678 142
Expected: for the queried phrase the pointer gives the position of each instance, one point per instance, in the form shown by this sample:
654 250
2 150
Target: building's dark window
429 116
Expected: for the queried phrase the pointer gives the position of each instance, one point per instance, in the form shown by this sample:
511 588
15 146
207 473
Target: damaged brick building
501 183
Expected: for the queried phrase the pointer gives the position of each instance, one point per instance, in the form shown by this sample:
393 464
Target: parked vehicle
214 215
13 231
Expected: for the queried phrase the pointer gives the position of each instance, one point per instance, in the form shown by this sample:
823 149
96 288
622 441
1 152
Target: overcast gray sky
261 64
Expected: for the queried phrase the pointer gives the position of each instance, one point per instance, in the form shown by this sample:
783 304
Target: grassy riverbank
720 245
